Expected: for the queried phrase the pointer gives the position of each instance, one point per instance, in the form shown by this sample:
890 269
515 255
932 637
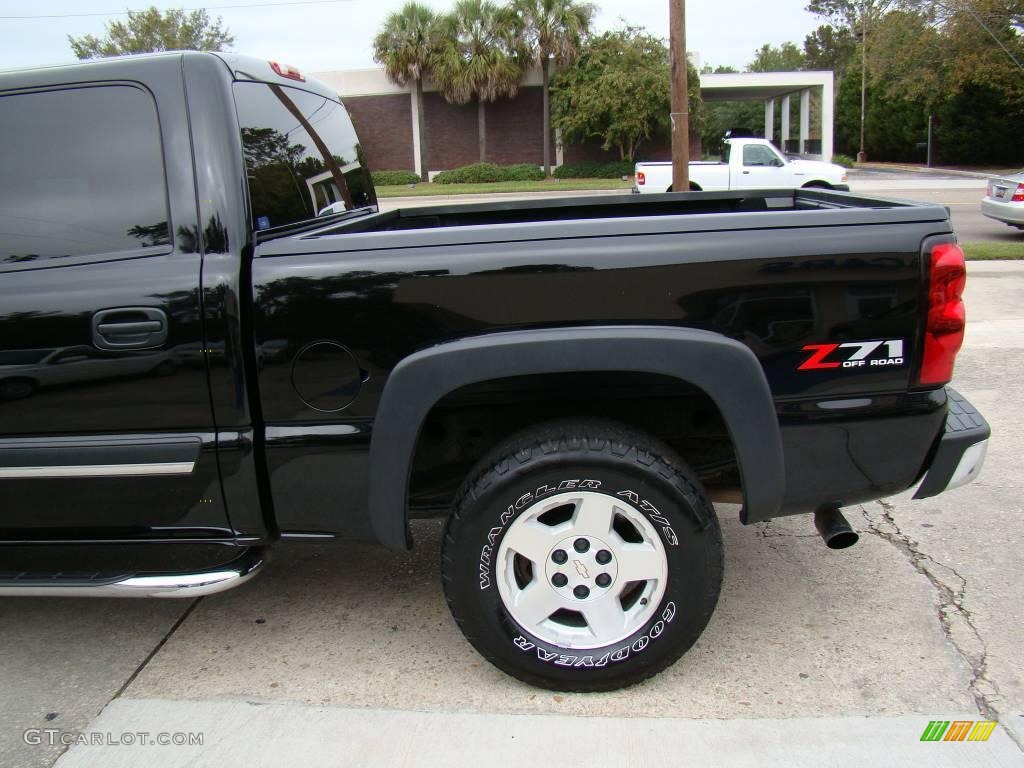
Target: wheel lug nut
559 580
581 592
581 545
559 556
604 557
603 580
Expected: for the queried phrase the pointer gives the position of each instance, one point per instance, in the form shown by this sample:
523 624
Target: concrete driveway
346 654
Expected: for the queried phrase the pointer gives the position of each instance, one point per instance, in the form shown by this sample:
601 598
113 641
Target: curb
925 171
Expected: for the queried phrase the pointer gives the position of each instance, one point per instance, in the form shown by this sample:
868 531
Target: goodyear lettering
619 654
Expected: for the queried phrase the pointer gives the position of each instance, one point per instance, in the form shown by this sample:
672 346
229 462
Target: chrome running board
193 584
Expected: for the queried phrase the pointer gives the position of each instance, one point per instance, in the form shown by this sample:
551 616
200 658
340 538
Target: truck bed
671 212
774 270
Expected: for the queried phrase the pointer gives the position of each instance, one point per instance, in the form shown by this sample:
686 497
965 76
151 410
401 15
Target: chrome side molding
194 584
99 470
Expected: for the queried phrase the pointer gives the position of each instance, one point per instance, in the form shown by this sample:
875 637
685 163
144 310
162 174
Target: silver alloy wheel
581 569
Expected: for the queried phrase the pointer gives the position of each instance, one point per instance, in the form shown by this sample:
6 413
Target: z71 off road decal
853 354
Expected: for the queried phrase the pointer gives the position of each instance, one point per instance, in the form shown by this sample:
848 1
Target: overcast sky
319 36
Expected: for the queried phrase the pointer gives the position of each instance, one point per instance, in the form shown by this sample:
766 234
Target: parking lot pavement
62 660
922 620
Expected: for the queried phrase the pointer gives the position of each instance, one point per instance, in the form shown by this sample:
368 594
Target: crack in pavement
956 620
144 663
766 531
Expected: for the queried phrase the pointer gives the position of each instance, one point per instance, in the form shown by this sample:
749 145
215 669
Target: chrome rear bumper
961 450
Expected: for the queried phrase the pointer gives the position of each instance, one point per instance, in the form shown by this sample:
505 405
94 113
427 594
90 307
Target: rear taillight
1018 195
944 327
640 178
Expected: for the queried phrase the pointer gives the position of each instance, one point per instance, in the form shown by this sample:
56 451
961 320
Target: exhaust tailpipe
834 529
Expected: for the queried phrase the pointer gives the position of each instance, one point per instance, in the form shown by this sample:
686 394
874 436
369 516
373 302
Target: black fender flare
723 368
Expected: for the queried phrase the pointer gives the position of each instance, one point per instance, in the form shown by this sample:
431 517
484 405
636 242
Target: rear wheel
817 185
582 555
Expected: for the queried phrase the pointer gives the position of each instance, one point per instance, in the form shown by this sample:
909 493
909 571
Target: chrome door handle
129 328
120 329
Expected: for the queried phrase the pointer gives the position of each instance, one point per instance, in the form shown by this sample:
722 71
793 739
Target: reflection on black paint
418 301
152 234
23 372
215 237
301 154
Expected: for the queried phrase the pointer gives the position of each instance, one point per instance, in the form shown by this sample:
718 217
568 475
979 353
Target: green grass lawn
548 185
993 251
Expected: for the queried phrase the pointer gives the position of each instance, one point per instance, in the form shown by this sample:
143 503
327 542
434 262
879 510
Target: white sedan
1004 200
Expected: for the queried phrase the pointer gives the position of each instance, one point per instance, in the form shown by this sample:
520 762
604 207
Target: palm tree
405 46
554 29
482 55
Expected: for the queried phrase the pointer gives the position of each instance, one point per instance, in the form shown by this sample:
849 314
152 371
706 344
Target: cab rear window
301 155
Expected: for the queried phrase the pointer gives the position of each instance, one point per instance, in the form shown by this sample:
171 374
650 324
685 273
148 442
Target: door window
758 155
85 175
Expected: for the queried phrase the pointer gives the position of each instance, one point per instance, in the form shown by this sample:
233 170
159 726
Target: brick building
384 115
385 118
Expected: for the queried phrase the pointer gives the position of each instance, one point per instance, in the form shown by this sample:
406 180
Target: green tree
554 30
785 58
990 136
983 42
992 13
152 30
406 46
961 63
829 48
851 14
482 55
618 92
907 59
897 127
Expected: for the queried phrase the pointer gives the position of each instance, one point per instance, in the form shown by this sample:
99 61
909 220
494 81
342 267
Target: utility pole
862 156
680 97
931 139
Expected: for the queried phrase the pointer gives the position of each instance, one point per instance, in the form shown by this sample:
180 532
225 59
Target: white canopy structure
771 86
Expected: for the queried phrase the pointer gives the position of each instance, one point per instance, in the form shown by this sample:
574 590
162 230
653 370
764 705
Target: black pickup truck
194 365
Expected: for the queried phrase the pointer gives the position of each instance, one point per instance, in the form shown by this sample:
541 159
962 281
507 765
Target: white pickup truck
747 164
